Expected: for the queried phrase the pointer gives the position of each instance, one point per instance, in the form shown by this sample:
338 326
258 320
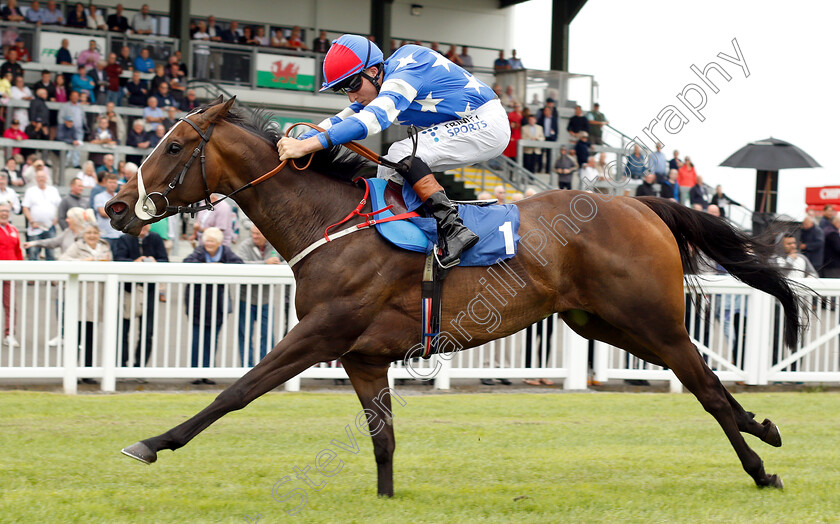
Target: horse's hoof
141 452
773 436
773 481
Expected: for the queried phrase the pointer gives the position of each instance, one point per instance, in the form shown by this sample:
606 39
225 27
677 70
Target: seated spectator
117 22
68 133
143 63
101 135
159 78
15 133
88 248
157 135
11 65
637 165
95 21
583 148
465 58
6 85
295 41
113 70
794 264
142 23
77 17
116 122
52 15
14 175
577 124
509 98
90 56
190 101
88 175
63 56
32 167
452 55
137 137
124 60
19 91
23 53
174 71
146 247
206 327
171 117
589 175
501 64
35 131
176 59
164 97
46 82
76 219
260 36
650 187
176 90
35 13
107 167
699 194
84 98
247 37
565 166
319 45
152 114
82 83
136 90
7 193
11 12
255 250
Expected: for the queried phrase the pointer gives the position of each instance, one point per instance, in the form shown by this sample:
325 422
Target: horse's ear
218 111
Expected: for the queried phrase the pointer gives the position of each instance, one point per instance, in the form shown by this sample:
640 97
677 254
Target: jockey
464 120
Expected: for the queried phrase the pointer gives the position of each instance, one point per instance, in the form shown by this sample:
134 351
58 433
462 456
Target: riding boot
453 236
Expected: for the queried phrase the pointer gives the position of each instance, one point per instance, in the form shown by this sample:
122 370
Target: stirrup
437 259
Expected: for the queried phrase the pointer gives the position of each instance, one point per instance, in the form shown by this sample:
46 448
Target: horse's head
174 173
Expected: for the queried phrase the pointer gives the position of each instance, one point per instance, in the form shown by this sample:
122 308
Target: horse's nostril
118 208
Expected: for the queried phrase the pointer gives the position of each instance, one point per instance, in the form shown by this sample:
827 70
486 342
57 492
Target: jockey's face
368 91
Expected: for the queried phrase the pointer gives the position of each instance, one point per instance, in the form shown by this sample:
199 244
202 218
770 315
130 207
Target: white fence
138 320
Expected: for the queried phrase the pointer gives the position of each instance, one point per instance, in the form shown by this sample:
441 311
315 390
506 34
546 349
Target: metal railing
737 329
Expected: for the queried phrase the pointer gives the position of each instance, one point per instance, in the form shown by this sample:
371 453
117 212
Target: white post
109 333
757 352
575 349
70 344
599 362
442 378
674 384
293 384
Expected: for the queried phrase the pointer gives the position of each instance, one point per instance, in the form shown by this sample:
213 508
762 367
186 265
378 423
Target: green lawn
607 457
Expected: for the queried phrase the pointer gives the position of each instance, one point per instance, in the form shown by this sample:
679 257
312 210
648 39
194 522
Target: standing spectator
113 70
152 114
650 187
72 110
95 190
637 165
673 187
828 216
61 94
190 101
260 36
320 44
675 163
143 63
33 165
38 113
278 40
158 78
88 248
35 13
206 327
136 90
101 135
577 124
76 219
514 62
46 82
812 242
582 148
255 250
221 217
77 17
15 133
88 177
686 178
82 83
73 199
296 40
9 250
589 175
499 192
107 166
146 247
531 155
597 121
116 122
157 135
452 56
117 22
721 200
124 59
547 119
231 34
23 53
659 164
108 233
34 131
699 194
171 117
11 12
40 206
509 98
101 81
7 194
11 65
466 59
831 261
515 120
95 21
137 137
201 52
565 167
501 64
142 23
63 56
90 56
53 15
247 37
793 263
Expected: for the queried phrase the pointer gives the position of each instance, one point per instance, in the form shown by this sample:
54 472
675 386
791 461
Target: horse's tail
744 257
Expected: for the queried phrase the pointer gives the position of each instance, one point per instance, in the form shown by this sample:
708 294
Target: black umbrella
770 154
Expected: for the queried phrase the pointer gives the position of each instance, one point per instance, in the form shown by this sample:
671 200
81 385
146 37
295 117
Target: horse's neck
293 208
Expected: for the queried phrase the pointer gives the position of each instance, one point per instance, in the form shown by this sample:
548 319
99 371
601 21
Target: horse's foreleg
371 385
305 345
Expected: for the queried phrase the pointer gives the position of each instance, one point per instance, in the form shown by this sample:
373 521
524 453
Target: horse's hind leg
371 384
766 431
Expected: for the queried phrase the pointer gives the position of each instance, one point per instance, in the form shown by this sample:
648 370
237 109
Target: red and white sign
821 196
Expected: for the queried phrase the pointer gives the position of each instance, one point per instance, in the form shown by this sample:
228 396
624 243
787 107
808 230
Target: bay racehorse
612 268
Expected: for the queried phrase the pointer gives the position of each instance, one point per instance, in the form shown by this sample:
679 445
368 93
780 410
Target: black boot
453 237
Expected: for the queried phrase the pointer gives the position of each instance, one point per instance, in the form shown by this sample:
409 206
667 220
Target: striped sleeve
327 123
394 97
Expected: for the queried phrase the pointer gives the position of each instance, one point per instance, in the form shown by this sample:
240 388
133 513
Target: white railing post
575 349
599 362
293 384
443 376
674 384
109 333
757 350
70 343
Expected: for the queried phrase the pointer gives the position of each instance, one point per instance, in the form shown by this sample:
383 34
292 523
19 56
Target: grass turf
460 458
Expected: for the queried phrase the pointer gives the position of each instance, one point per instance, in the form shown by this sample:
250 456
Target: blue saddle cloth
496 226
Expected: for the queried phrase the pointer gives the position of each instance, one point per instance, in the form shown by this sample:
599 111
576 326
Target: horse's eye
174 148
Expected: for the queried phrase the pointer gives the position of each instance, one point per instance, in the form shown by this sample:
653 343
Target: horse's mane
335 162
